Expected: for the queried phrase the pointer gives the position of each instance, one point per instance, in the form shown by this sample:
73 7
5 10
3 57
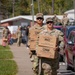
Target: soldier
50 66
5 32
65 20
37 26
55 19
19 36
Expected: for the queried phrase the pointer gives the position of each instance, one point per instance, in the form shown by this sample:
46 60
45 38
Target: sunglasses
40 18
49 22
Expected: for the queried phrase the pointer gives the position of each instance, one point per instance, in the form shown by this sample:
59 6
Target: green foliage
4 48
23 7
5 52
8 67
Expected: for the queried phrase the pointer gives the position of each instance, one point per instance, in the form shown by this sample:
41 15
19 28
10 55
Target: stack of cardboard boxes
47 46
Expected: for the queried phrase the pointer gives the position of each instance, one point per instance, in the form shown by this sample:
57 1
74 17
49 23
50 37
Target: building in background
23 20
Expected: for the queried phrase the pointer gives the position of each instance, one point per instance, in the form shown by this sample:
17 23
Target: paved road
21 56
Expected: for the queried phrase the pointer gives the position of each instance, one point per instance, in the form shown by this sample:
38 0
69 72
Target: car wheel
69 68
74 63
61 58
65 59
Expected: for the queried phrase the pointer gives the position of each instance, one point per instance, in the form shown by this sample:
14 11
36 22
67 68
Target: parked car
70 50
66 30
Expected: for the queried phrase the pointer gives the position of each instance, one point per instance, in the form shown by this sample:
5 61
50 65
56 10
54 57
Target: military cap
39 15
49 19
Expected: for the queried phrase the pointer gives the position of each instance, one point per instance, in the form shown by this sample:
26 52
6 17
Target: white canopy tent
13 29
71 14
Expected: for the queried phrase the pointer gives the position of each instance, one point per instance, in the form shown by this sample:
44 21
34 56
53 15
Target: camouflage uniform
5 32
65 20
55 19
50 66
34 58
19 36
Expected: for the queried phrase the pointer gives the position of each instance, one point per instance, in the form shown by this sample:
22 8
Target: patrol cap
49 20
39 15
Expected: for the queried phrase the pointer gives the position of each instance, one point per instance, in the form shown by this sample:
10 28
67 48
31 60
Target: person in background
5 31
19 36
55 19
27 34
50 66
4 41
23 29
65 20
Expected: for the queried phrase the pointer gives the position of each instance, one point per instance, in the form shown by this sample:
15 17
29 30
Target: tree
23 7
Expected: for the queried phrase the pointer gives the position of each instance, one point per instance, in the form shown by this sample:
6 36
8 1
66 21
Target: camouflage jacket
5 32
36 27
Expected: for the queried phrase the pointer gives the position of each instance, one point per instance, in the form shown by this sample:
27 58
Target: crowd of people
48 66
21 36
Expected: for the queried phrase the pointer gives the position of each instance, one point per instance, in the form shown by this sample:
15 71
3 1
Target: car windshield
68 30
71 38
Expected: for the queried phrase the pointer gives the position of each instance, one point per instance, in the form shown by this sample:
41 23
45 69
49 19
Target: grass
8 67
4 48
5 52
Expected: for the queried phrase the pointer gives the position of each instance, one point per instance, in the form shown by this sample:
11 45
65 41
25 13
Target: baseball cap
49 20
39 15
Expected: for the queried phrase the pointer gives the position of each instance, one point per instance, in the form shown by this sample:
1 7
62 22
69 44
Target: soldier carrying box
32 42
50 65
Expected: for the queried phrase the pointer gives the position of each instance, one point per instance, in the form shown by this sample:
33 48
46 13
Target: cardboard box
32 45
47 40
46 52
34 34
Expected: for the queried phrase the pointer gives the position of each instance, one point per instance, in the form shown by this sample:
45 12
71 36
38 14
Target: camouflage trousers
35 65
49 66
19 41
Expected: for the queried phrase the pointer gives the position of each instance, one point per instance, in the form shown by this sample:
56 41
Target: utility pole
32 4
0 13
52 6
13 7
74 9
38 6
